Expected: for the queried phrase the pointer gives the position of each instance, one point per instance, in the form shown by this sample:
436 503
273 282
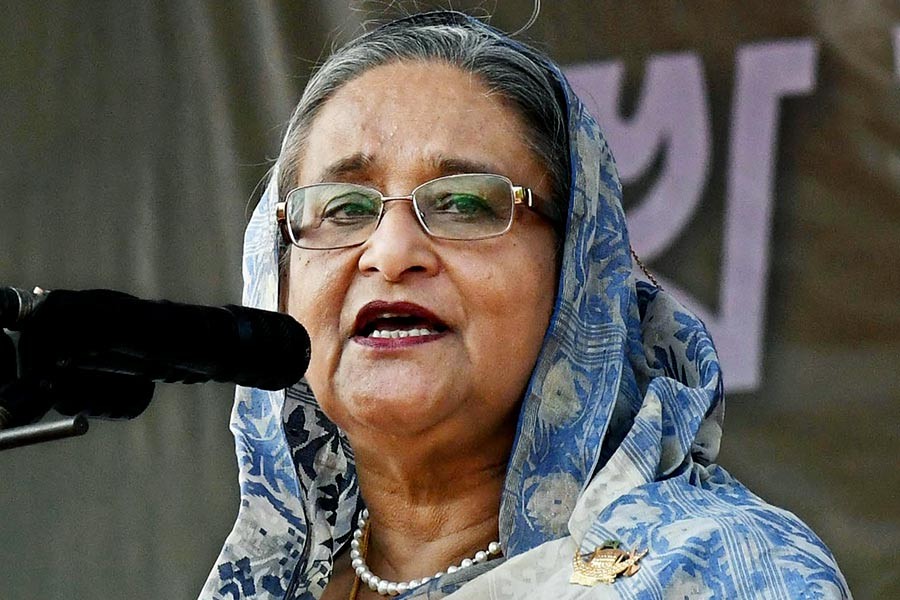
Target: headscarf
616 439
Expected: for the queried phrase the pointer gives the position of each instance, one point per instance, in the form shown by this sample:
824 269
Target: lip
372 310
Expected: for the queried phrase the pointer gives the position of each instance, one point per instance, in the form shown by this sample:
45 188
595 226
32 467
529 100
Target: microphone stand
16 400
76 395
36 433
21 403
24 400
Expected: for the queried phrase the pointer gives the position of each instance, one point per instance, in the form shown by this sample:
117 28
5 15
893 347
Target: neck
430 510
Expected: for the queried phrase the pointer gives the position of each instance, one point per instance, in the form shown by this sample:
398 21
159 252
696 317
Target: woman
494 408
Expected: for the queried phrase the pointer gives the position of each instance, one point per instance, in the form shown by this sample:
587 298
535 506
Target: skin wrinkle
432 425
355 168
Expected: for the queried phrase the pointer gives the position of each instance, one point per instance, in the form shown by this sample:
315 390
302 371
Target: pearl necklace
392 588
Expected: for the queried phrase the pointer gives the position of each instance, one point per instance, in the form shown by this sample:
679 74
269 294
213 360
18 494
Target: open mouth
396 320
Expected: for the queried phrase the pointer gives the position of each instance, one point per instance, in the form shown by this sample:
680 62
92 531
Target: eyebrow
449 165
360 163
349 165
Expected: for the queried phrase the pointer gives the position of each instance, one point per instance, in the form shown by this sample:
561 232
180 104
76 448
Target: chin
391 412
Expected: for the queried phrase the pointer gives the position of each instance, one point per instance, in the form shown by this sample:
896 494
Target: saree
617 438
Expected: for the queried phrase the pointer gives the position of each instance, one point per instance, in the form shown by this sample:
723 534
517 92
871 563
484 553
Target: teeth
401 333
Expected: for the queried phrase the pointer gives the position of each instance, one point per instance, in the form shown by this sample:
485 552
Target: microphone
7 359
16 305
71 393
26 400
107 332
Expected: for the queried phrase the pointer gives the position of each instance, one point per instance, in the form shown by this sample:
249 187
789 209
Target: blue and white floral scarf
616 440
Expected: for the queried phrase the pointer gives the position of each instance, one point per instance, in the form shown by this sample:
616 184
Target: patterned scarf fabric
616 440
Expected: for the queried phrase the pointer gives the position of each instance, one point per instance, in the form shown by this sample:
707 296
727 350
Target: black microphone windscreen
113 332
276 349
9 307
8 361
99 395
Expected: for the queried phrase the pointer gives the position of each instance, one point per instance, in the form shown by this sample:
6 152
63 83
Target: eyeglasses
472 206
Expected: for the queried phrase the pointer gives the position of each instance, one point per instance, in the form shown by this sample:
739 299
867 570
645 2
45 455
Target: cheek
533 279
313 287
535 295
529 311
315 298
514 303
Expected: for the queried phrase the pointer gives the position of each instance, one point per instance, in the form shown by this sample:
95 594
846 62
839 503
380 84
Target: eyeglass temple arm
547 208
281 219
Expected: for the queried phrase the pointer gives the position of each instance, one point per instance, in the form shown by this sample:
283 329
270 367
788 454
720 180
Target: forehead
407 118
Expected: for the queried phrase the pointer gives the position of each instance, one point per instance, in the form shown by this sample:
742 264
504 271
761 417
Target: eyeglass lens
459 207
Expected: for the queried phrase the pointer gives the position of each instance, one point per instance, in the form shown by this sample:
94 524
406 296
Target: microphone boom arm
43 432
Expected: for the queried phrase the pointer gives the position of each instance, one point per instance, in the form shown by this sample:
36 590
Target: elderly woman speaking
494 408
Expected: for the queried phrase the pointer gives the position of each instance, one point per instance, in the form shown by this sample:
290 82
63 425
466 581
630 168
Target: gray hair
517 73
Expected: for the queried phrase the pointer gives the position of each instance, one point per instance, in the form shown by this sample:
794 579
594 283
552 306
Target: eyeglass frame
521 196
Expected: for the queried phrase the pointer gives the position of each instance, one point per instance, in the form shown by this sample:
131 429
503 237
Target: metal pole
43 432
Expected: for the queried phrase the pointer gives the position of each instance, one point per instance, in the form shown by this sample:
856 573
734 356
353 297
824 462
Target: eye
351 207
471 205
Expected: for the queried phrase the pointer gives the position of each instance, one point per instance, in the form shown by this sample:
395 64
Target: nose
399 246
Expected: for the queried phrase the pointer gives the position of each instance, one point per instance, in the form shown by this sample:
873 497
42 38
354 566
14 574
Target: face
474 313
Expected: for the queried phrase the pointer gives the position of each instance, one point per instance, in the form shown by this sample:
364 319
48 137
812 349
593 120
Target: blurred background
760 147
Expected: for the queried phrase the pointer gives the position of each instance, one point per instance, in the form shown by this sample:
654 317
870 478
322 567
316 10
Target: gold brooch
604 564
